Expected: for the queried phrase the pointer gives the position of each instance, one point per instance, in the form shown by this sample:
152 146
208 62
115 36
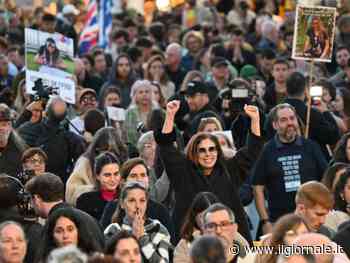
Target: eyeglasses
210 150
88 99
35 161
211 227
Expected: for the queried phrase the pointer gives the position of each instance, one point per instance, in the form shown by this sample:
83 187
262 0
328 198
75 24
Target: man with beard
287 161
11 146
62 147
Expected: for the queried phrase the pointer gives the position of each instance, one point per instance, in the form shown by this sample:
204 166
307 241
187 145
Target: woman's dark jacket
228 175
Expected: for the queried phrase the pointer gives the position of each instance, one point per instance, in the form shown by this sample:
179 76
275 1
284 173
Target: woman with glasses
204 167
108 179
34 161
130 215
82 179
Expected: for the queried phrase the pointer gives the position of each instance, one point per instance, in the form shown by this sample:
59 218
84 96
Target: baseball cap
248 71
5 112
194 87
86 91
218 61
70 9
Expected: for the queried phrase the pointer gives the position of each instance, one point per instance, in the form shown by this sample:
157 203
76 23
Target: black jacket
154 211
10 156
323 128
85 200
62 147
228 175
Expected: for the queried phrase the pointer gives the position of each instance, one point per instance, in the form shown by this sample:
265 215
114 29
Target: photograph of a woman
49 55
317 40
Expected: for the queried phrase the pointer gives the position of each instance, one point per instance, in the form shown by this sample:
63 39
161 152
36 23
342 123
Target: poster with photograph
314 33
49 58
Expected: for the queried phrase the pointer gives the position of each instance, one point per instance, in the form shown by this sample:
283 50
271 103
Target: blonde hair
209 120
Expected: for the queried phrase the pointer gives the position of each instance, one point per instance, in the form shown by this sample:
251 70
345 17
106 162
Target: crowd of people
191 135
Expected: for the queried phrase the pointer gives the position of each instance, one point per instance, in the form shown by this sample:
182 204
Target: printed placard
314 31
49 57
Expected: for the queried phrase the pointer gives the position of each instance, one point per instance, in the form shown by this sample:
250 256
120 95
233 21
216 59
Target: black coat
228 175
85 201
62 147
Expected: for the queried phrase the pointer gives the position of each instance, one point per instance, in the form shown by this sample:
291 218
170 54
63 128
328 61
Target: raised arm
171 108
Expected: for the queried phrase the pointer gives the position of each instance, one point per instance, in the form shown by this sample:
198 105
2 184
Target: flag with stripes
89 36
105 22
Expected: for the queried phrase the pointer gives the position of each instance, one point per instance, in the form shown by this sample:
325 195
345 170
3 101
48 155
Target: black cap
218 61
194 87
5 112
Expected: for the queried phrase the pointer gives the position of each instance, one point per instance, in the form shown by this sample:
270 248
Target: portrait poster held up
314 31
49 57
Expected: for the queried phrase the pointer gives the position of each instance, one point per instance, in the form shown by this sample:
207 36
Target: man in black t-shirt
287 161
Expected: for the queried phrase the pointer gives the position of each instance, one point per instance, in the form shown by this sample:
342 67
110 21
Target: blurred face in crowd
139 174
211 127
48 26
65 232
143 96
155 93
149 150
109 177
342 57
5 131
123 67
237 40
79 70
173 56
207 154
221 72
290 236
196 101
120 42
315 216
156 69
346 192
132 31
88 101
135 202
112 100
100 64
35 163
87 64
14 57
280 72
13 245
266 65
221 225
339 103
287 126
194 44
127 250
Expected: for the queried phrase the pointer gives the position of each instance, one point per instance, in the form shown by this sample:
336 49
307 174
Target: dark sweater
85 201
282 168
187 180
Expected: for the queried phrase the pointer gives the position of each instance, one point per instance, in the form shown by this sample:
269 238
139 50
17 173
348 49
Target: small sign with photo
314 31
49 58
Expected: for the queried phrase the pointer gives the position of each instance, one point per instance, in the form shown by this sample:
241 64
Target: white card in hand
116 114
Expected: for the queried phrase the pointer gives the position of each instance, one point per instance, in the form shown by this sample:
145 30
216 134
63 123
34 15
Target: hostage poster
49 57
314 33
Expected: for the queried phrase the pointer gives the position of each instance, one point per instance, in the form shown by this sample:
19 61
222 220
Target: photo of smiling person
49 55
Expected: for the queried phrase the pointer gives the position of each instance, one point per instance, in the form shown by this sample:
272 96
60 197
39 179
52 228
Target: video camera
42 92
239 93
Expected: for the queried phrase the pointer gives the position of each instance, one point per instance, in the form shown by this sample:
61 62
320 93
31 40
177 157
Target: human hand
138 225
35 105
252 112
172 107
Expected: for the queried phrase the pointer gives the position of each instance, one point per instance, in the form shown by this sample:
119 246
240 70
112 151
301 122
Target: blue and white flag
105 22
